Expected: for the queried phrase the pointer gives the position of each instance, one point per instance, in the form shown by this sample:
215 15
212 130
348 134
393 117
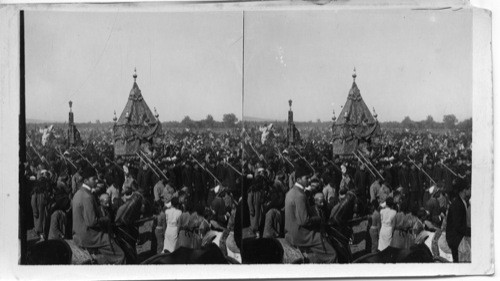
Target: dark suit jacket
404 178
145 180
299 221
414 181
456 223
88 230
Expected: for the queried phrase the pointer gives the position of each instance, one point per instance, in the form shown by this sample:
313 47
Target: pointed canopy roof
355 126
136 111
137 126
355 110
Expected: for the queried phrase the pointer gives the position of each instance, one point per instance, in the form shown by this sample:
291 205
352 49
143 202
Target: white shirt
299 185
87 187
112 191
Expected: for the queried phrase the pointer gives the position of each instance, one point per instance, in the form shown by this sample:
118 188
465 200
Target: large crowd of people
406 183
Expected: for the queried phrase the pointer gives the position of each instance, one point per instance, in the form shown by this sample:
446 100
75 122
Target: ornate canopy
355 126
136 126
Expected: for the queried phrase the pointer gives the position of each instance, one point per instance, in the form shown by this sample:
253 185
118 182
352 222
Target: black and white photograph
157 145
379 121
233 136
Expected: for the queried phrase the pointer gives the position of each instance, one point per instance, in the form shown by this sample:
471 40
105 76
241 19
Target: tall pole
370 163
23 235
421 169
144 160
307 162
368 167
290 130
243 71
242 106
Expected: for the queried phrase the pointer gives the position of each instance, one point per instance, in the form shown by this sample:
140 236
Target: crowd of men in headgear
417 173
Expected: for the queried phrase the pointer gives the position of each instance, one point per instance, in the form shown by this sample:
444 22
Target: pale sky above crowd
187 64
409 63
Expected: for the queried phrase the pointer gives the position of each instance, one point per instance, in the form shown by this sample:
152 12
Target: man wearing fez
300 221
89 227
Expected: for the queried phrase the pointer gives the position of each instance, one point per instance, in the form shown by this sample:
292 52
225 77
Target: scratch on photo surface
432 8
237 40
281 56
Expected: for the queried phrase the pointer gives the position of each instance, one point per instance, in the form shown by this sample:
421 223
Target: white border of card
482 174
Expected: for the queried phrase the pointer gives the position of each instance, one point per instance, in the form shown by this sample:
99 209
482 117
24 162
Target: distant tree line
230 120
450 121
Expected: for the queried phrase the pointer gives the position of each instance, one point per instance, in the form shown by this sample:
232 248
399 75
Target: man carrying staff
89 228
301 227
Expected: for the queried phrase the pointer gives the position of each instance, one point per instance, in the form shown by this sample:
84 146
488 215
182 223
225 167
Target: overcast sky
187 63
409 63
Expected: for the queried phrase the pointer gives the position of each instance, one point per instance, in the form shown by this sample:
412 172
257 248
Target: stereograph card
246 139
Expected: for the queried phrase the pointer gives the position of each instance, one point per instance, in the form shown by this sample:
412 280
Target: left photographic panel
131 139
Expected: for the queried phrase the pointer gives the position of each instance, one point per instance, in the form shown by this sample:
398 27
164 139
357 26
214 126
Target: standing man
456 222
145 180
361 182
415 187
89 227
300 222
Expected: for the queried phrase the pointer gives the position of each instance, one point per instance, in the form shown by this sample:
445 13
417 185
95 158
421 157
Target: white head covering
431 189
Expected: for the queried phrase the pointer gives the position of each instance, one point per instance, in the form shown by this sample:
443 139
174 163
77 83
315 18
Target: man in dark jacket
145 180
89 227
361 182
415 187
456 223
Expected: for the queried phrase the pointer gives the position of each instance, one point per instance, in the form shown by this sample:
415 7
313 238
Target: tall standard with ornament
73 133
293 135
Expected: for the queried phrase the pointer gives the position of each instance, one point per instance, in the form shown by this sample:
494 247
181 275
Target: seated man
89 227
300 224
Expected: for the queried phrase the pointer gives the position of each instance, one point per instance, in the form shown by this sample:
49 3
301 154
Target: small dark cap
301 171
88 172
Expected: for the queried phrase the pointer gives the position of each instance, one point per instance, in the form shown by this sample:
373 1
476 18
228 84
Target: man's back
374 189
158 190
432 207
86 229
296 218
219 208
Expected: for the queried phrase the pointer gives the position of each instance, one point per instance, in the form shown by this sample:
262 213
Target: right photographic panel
358 136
